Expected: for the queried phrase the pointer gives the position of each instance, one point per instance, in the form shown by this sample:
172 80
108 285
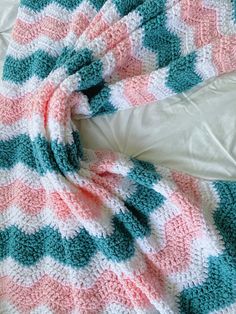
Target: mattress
193 132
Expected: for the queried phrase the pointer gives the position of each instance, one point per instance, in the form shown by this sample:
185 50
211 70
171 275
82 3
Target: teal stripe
90 75
100 103
28 249
77 252
38 5
151 8
140 205
182 74
74 60
40 64
97 4
144 173
161 41
219 289
145 200
18 149
40 155
19 71
234 9
135 222
124 7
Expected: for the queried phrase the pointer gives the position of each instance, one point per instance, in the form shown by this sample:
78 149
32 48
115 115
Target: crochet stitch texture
94 232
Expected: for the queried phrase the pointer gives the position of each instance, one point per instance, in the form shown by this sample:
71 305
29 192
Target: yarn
85 231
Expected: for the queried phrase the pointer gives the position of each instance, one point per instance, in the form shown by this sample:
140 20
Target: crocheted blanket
93 232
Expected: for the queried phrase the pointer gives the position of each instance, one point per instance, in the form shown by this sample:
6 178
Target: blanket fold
85 231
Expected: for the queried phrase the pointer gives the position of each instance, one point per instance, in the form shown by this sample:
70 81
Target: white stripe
13 90
56 11
117 308
30 224
41 309
7 307
48 45
22 173
117 96
209 244
157 84
109 64
84 277
225 15
59 132
9 131
110 13
205 65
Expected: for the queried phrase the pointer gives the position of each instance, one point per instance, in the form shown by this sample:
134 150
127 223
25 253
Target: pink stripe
115 35
181 230
202 19
60 298
12 110
98 26
133 68
24 32
79 23
59 106
151 281
224 54
86 205
19 194
136 90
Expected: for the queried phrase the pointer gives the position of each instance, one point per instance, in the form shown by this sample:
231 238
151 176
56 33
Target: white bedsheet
192 132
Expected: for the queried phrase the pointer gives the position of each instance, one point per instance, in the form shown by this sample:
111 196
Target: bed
193 132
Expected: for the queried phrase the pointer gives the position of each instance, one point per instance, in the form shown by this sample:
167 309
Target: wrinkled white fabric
192 132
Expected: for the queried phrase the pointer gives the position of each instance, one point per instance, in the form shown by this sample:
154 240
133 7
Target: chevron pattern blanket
91 232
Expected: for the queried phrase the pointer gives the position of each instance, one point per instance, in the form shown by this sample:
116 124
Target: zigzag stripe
106 38
54 213
102 293
146 245
123 222
53 10
131 96
20 173
21 149
221 269
33 223
226 11
174 40
204 22
49 46
68 5
53 28
160 258
38 64
10 91
70 276
125 226
92 213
